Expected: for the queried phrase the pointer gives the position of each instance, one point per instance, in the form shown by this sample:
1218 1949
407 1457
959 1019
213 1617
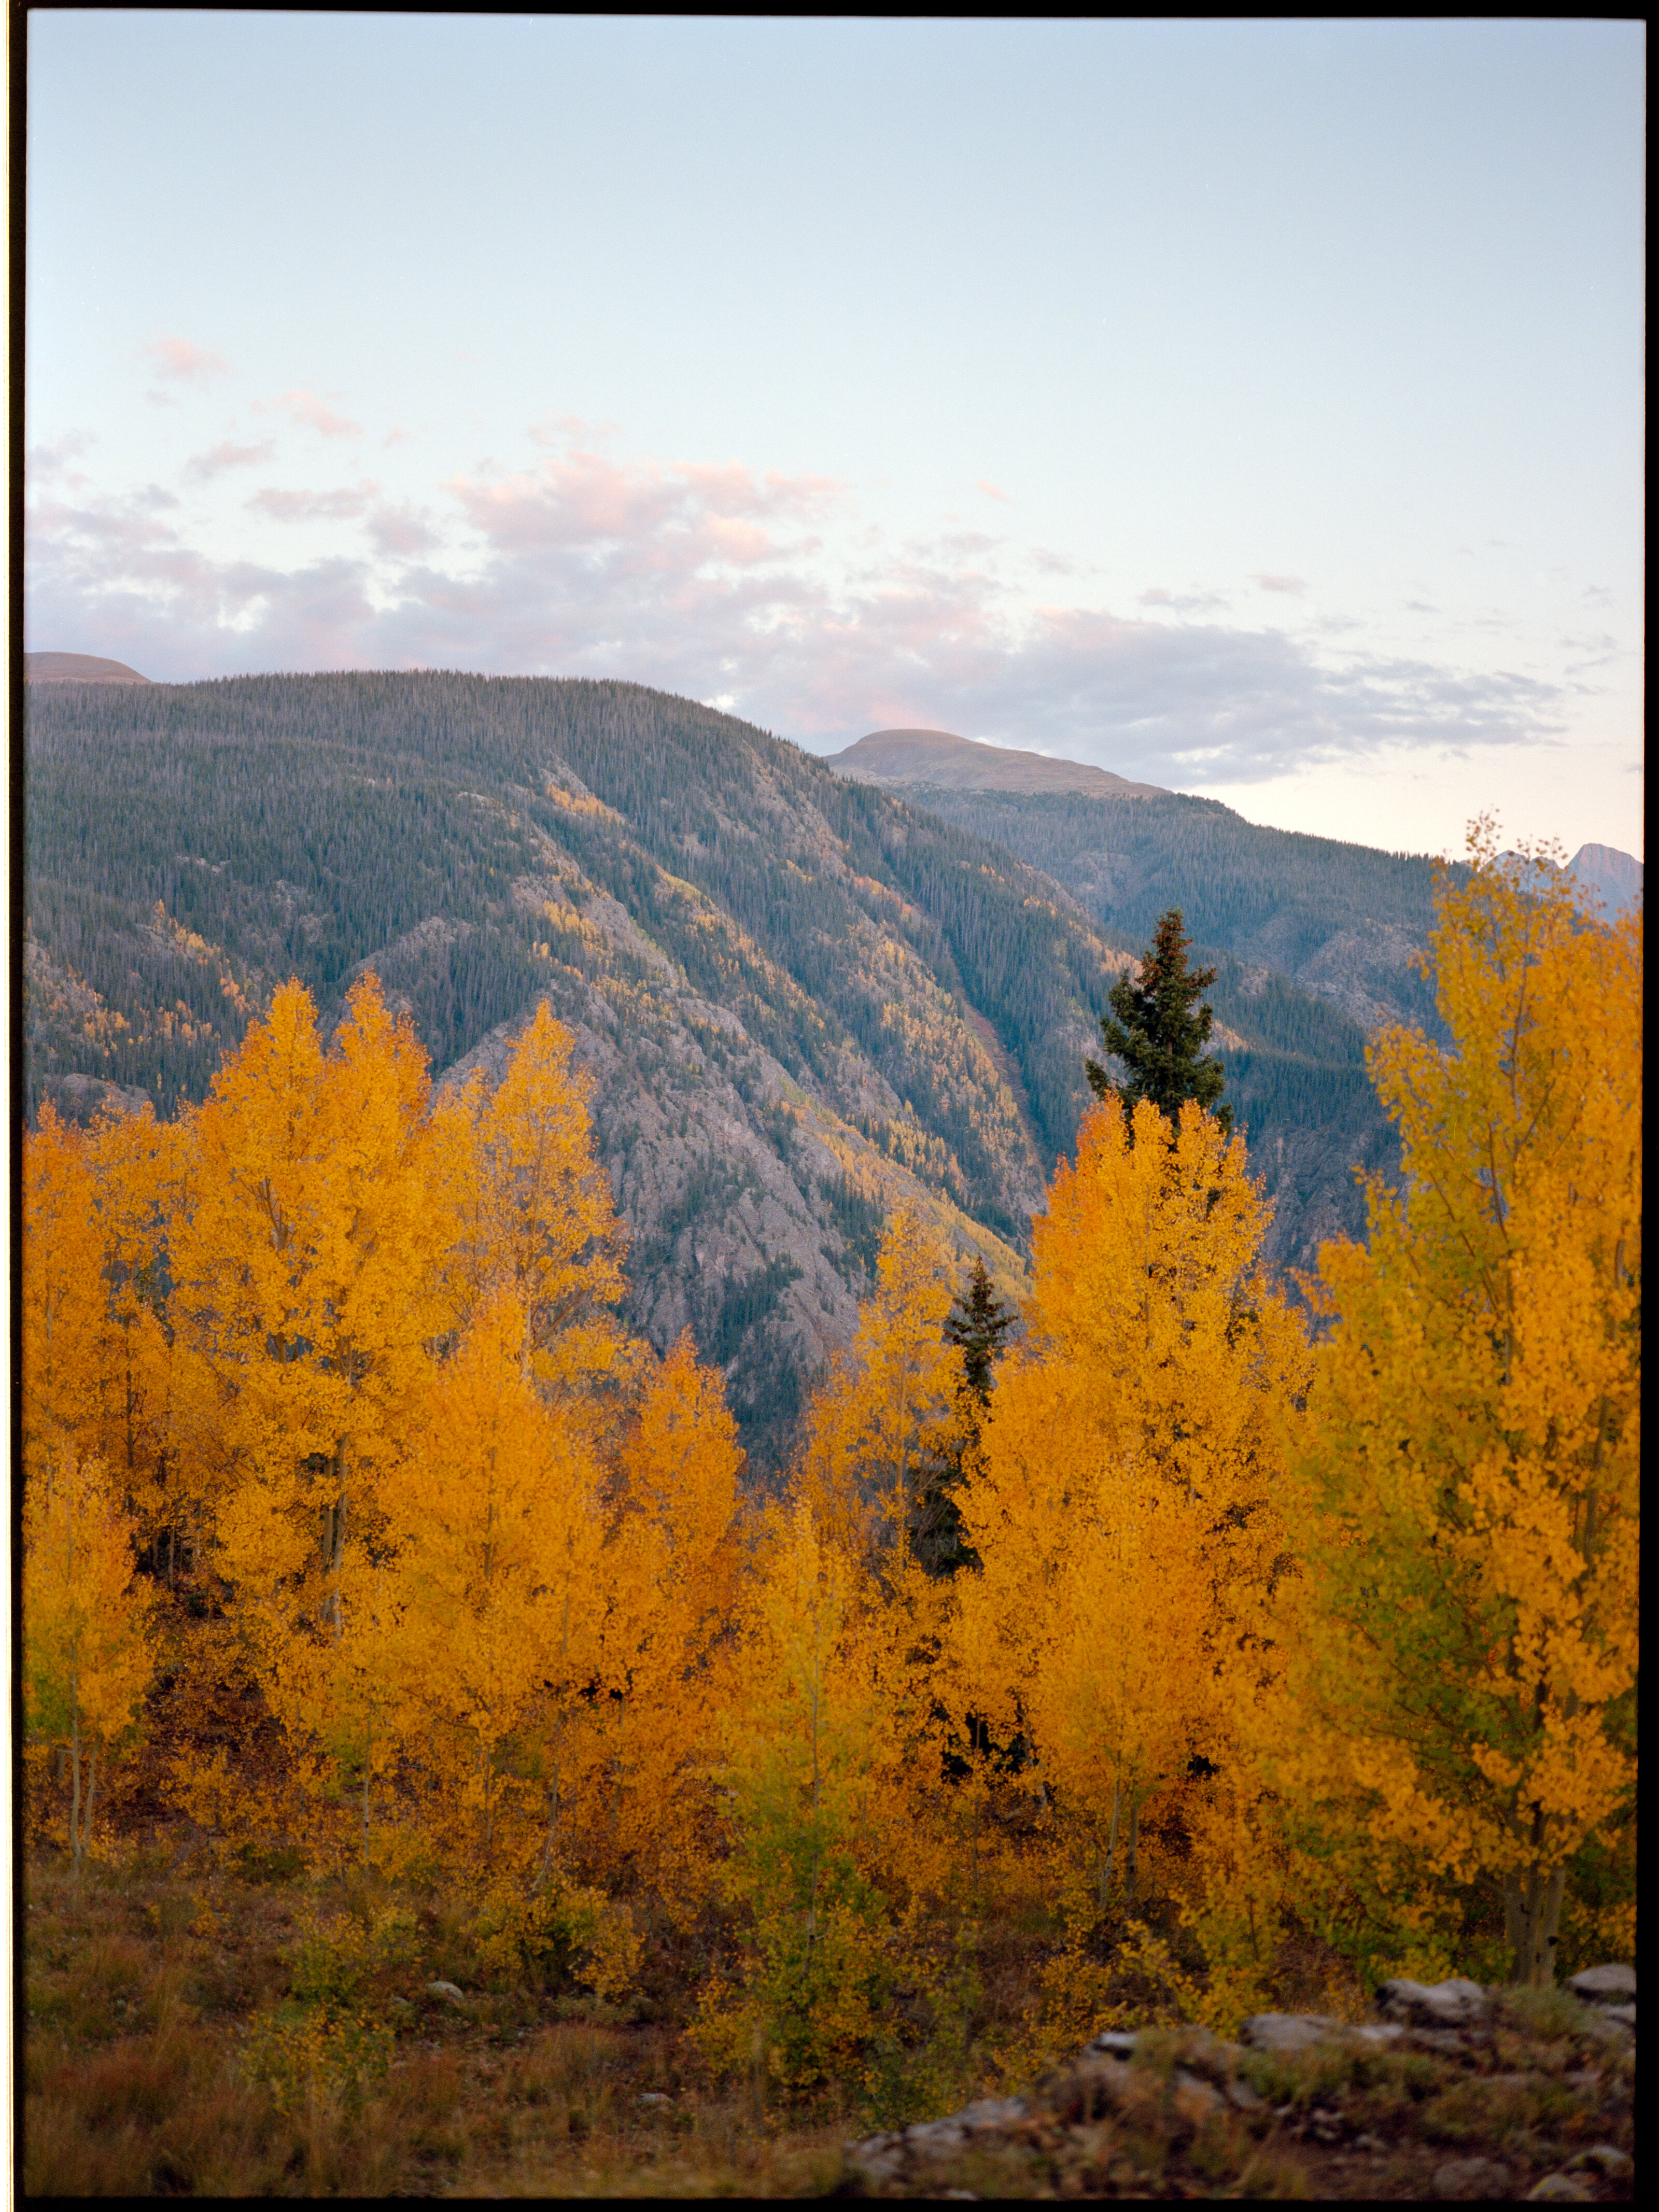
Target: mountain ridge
941 758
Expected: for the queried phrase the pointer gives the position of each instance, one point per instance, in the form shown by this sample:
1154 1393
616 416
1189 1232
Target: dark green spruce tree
1158 1032
977 1323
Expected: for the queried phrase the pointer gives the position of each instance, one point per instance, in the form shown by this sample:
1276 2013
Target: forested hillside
1341 921
800 1000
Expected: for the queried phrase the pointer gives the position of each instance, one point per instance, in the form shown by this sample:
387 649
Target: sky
1253 409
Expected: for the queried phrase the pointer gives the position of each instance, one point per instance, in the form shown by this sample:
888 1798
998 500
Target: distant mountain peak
949 763
1615 876
77 668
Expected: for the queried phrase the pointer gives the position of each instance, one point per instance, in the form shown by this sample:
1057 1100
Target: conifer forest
660 1529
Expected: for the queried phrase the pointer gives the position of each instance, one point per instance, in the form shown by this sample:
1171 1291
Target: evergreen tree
977 1323
1155 1031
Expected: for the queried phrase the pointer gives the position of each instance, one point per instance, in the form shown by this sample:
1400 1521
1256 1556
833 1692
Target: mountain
953 763
1612 877
77 668
1341 922
801 1000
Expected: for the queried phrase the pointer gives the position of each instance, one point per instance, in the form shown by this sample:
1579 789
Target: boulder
447 1993
1456 2003
1560 2189
1289 2031
1613 1984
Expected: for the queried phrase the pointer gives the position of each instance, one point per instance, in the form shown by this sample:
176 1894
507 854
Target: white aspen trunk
1111 1853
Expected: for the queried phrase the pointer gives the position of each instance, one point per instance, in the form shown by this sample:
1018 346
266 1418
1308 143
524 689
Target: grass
190 2034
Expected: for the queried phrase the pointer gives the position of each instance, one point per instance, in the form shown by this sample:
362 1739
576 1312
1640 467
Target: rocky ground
1453 2092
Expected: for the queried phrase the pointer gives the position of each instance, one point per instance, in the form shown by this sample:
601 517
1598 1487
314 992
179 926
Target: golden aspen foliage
1122 1503
1157 1361
799 1740
494 1531
136 1162
309 1285
64 1337
538 1216
887 1414
1458 1706
674 1561
86 1648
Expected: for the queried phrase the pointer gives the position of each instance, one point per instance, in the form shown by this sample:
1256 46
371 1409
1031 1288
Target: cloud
313 506
200 467
1265 582
185 361
763 589
1182 603
991 490
315 413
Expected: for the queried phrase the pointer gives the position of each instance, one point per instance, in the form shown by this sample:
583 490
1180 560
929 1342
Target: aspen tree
64 1334
798 1742
494 1528
87 1659
673 1561
879 1429
136 1164
539 1219
1461 1638
311 1286
1122 1502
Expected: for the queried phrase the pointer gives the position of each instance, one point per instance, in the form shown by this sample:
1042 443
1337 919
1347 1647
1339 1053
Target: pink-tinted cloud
715 580
314 412
200 467
991 490
185 360
1294 584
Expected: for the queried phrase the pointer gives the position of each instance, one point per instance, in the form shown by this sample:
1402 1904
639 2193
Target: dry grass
146 1994
150 1995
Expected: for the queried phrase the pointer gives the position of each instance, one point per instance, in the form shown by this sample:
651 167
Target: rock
881 2161
1242 2098
1625 2015
1115 2043
1560 2189
1289 2031
1606 2159
1380 2033
1609 1984
1463 2181
653 2097
1090 2088
1456 2003
1194 2099
447 1992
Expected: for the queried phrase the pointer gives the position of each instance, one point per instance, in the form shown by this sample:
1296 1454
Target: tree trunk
1111 1854
1531 1916
1129 1868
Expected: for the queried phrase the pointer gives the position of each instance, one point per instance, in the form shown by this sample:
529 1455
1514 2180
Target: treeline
1170 1636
